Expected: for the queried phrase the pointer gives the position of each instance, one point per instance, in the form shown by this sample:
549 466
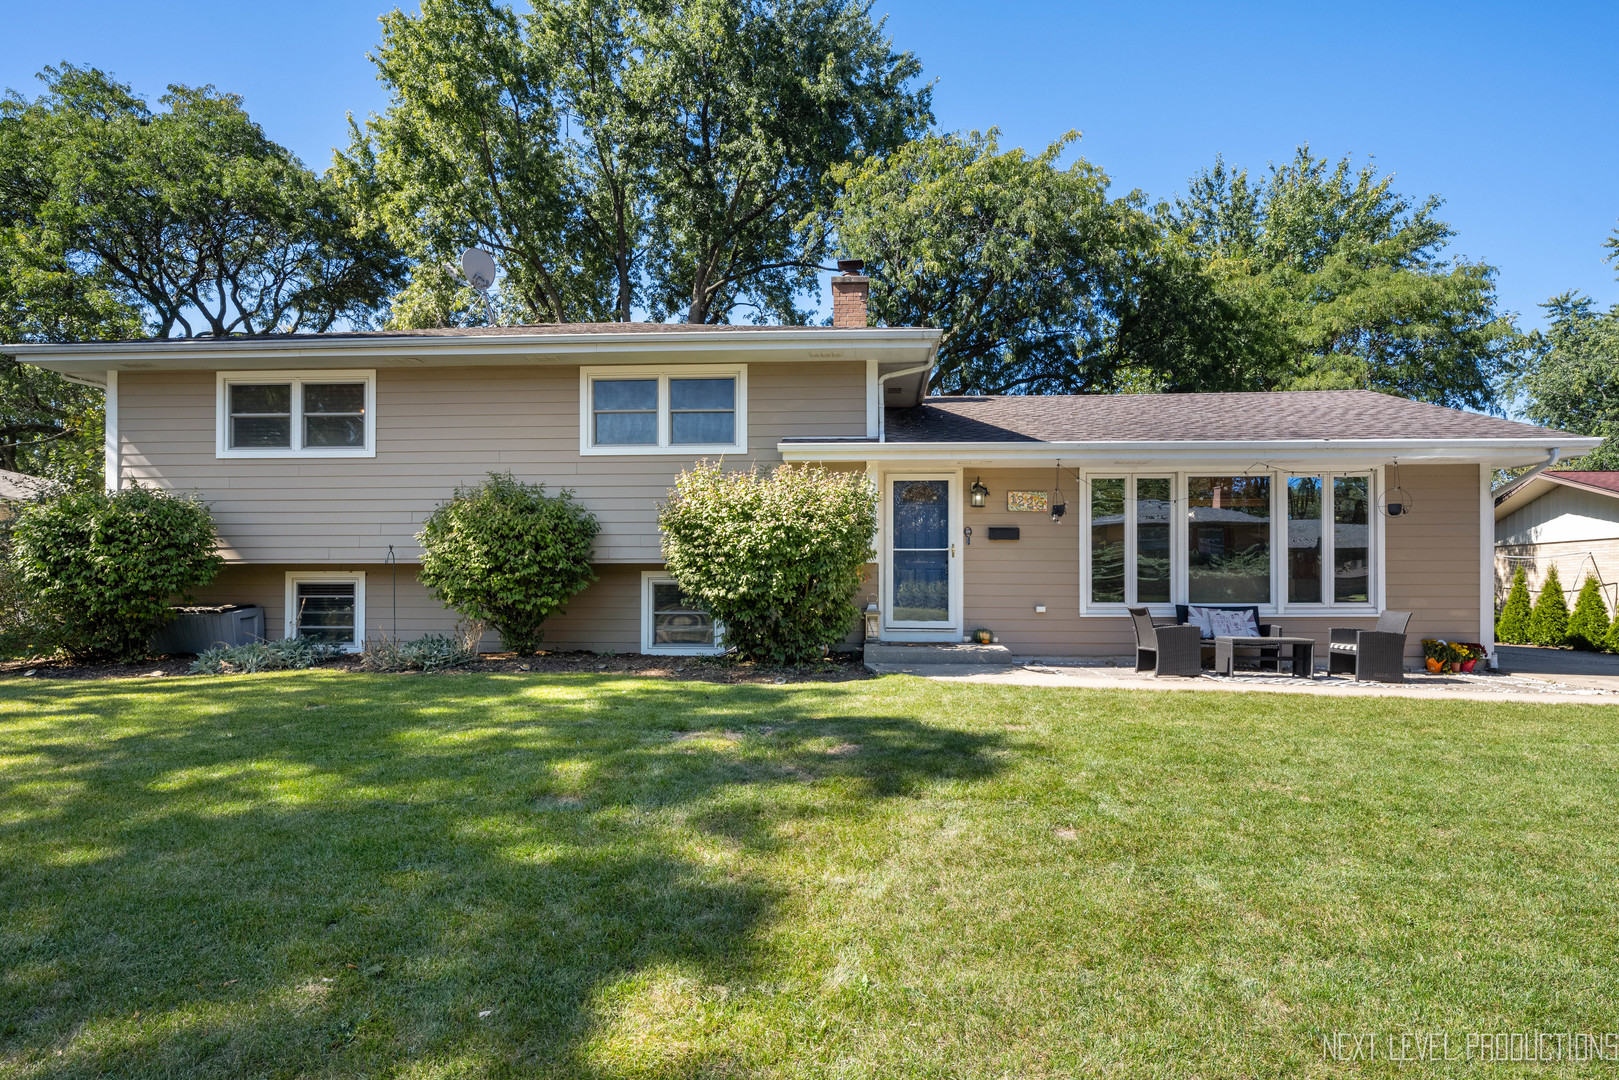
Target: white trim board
293 577
223 380
648 579
663 373
1180 543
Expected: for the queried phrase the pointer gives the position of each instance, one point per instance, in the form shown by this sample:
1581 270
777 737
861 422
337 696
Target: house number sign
1032 502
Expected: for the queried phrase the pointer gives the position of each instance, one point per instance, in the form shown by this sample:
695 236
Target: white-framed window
296 414
328 605
671 623
1284 541
692 409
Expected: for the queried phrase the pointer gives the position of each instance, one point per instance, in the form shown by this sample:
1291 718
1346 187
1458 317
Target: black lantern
979 492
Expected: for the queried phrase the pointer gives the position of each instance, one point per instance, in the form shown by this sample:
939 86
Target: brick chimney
850 291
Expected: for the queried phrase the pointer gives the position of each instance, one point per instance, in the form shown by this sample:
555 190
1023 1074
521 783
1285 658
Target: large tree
617 156
1571 379
189 215
1353 275
117 221
1040 282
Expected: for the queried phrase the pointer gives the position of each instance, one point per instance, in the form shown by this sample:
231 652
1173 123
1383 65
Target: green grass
321 874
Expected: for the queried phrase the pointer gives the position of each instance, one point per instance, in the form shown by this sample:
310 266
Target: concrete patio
1548 675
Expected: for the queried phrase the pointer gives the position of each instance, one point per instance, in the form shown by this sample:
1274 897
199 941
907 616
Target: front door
922 558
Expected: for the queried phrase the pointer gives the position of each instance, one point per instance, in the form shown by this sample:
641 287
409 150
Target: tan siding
1433 555
437 428
1432 569
605 617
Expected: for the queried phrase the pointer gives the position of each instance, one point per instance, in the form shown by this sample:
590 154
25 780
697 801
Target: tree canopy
118 221
614 154
1353 278
1571 379
1041 282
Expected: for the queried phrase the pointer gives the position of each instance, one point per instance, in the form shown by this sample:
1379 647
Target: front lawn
325 874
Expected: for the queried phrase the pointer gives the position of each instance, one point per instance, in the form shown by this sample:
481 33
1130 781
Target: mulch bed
840 667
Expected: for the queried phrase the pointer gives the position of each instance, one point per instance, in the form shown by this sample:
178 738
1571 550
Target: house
1569 520
1038 518
16 487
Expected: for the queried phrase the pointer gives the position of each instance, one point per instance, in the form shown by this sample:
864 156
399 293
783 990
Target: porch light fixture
979 494
1059 505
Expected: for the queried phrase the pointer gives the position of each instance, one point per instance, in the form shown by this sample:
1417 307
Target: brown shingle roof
1593 478
1301 414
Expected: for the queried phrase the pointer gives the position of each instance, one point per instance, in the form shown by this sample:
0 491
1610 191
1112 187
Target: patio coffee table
1302 657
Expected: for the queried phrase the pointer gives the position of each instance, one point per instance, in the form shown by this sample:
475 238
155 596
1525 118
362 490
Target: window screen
325 611
702 411
677 621
626 412
334 414
260 415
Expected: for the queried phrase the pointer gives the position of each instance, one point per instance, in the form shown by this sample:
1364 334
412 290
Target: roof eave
90 357
1497 452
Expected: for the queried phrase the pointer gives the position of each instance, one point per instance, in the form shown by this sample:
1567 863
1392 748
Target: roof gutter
1518 482
194 349
1257 451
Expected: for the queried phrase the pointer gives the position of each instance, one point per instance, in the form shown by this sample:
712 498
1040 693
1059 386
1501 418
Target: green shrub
507 554
1548 623
1512 625
434 652
1588 626
775 558
98 571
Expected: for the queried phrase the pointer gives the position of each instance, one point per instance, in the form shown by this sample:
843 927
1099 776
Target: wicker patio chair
1167 649
1371 655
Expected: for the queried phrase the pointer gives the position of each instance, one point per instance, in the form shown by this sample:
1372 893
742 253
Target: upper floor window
677 410
296 413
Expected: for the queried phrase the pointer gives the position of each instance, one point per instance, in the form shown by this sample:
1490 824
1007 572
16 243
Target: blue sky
1509 111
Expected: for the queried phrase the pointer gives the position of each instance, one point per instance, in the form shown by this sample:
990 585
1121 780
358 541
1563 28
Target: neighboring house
16 487
1569 520
319 452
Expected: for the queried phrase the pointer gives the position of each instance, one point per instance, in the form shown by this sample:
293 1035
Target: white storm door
923 566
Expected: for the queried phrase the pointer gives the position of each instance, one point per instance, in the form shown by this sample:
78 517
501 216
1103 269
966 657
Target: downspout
882 409
1531 474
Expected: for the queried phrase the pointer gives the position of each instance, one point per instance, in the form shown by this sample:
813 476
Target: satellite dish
479 267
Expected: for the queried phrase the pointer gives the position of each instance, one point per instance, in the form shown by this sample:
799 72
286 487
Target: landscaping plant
775 557
431 652
285 654
1588 626
508 554
1548 623
98 571
1512 625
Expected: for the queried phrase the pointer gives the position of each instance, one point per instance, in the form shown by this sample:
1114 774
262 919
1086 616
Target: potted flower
1437 654
1471 652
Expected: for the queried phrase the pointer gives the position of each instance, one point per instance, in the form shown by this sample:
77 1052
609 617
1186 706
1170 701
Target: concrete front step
888 655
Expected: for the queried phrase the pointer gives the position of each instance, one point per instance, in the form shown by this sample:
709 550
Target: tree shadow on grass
331 875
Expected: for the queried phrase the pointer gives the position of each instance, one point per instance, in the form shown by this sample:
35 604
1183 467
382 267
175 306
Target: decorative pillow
1234 623
1199 617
